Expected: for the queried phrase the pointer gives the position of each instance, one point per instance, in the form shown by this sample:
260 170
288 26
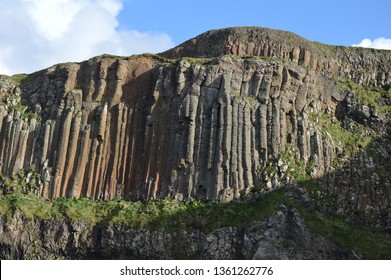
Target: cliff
120 127
282 236
363 66
225 114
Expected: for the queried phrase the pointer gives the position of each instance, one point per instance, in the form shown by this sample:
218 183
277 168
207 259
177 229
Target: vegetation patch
198 60
350 141
174 215
374 97
161 214
24 111
18 79
365 242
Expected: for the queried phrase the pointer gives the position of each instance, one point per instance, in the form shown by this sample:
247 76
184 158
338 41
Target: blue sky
35 34
332 22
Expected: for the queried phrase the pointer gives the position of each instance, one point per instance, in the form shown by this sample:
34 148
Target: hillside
231 115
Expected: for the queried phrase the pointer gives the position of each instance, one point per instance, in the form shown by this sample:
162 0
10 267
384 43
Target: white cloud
379 43
52 18
35 34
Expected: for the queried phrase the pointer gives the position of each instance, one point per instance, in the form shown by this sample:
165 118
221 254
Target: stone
281 236
147 127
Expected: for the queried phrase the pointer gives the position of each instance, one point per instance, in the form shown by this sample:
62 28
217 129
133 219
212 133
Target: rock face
136 127
282 236
148 127
232 113
362 66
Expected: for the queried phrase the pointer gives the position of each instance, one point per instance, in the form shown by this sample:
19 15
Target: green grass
19 107
369 96
18 78
174 215
24 111
28 205
350 141
326 49
111 56
198 60
15 79
297 168
366 242
168 214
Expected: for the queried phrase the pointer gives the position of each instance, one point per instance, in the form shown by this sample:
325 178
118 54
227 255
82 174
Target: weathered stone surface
146 127
363 66
285 236
282 236
179 130
236 117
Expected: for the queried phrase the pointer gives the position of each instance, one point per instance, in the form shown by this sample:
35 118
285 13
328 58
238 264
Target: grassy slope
173 215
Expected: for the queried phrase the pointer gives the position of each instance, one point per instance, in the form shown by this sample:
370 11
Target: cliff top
361 65
214 43
251 41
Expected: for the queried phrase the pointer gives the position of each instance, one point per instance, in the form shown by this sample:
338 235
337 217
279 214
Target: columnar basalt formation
146 127
136 127
363 66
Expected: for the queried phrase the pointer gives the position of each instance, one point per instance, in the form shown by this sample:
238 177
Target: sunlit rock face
206 127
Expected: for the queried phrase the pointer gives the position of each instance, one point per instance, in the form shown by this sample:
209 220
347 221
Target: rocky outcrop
139 128
363 66
147 127
282 236
229 114
361 188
